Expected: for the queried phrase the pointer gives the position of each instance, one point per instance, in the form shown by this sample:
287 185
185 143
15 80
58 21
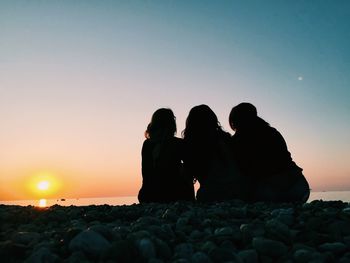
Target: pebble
122 231
139 235
248 256
163 250
196 235
284 215
146 248
181 223
302 256
200 257
42 255
347 241
25 238
155 260
228 244
238 212
89 242
170 215
169 231
336 247
269 247
277 231
77 257
121 251
251 230
224 231
344 260
103 231
346 210
184 250
208 246
222 255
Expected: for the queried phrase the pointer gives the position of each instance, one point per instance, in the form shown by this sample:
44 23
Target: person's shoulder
274 131
147 143
146 147
267 130
274 136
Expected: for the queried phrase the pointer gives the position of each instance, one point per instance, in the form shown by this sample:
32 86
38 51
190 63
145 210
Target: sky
79 81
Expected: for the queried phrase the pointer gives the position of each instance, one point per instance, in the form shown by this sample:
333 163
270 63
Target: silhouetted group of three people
252 165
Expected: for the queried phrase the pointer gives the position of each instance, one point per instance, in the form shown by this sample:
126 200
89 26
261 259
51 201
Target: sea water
129 200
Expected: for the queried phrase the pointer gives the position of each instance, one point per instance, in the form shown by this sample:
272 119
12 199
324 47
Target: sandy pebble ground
179 232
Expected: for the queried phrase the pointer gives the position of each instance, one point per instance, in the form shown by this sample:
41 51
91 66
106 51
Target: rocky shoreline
180 232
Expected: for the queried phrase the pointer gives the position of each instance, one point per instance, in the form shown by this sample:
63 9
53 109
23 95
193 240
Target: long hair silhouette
162 125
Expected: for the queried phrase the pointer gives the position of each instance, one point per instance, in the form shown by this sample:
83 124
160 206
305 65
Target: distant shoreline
128 200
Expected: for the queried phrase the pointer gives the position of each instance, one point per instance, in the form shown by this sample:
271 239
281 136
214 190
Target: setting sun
43 185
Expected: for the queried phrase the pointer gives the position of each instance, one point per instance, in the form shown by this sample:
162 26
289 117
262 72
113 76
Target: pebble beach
180 232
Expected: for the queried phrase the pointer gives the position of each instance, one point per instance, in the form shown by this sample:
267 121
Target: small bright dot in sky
43 185
300 78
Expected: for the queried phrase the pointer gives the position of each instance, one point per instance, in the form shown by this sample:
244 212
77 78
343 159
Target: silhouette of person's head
162 125
242 115
201 122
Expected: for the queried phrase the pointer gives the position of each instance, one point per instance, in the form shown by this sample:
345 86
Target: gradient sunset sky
79 81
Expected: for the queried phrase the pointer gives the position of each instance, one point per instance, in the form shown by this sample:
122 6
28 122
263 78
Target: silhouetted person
208 156
162 155
263 158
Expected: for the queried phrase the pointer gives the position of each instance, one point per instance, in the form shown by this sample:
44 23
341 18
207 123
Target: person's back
163 178
162 155
208 156
265 148
219 177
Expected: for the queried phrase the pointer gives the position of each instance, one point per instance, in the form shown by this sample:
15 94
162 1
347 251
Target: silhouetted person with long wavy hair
162 156
208 156
264 160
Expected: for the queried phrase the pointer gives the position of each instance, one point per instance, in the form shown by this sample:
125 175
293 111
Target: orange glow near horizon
53 182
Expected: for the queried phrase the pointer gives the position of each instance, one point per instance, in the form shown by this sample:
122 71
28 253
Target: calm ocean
129 200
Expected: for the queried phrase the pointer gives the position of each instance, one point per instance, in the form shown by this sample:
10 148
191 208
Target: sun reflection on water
42 203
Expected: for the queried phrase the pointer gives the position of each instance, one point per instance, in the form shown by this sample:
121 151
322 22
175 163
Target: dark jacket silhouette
261 153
